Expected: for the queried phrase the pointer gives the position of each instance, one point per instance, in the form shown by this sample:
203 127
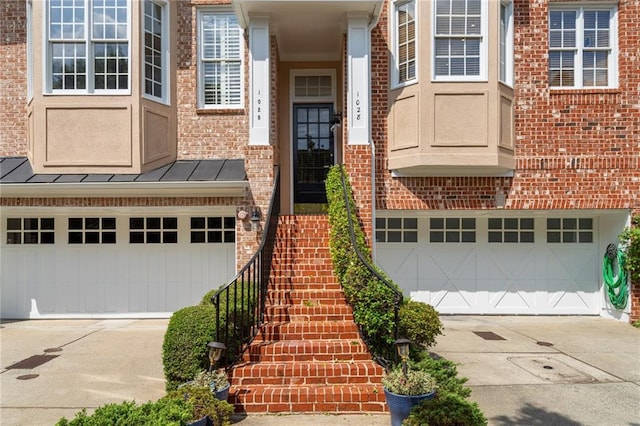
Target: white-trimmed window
511 230
405 40
92 230
396 230
29 50
30 230
153 230
460 50
570 230
88 46
214 230
220 52
506 42
582 46
452 230
155 30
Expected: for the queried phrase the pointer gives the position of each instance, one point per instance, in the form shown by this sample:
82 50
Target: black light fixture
402 346
255 220
335 121
215 353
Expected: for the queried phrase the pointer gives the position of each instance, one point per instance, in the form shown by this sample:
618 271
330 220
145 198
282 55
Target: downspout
372 25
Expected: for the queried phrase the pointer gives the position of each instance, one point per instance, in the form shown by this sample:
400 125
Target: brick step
305 297
297 271
308 313
364 398
307 373
307 330
307 350
304 283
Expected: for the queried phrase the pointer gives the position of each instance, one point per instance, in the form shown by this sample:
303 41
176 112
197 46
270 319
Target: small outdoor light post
402 346
215 353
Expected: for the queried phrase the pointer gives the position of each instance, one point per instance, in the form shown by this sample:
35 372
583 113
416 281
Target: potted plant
406 387
216 380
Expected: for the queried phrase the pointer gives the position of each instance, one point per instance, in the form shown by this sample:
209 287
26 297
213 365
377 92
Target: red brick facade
575 149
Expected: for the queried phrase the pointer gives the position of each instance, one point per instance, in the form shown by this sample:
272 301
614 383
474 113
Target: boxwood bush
166 411
446 409
184 349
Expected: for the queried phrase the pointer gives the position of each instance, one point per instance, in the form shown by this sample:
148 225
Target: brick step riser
307 335
292 301
300 284
305 357
306 374
329 399
281 317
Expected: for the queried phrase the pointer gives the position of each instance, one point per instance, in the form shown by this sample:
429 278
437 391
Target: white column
358 83
259 80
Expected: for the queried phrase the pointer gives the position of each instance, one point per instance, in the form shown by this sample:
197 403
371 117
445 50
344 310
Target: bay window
88 46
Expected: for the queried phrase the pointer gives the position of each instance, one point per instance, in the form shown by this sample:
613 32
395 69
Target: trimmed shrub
204 403
446 409
419 322
444 371
630 238
169 412
372 301
184 349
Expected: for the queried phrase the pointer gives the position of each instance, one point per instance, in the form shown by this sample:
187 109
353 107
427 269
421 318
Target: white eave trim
125 189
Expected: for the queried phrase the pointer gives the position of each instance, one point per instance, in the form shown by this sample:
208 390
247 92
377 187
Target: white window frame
484 50
89 42
165 52
201 101
612 59
395 74
505 66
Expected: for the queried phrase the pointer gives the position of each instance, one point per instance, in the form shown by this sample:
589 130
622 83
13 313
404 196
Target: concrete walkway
546 371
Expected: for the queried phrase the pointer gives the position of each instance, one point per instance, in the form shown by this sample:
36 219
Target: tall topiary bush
184 349
420 323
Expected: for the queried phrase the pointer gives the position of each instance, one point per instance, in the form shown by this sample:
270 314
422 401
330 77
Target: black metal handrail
240 304
384 353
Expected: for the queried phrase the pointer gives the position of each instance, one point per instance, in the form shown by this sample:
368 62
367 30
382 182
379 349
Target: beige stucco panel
506 123
405 116
156 136
88 136
460 119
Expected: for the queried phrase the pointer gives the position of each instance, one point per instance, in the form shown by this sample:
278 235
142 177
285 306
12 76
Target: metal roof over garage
211 177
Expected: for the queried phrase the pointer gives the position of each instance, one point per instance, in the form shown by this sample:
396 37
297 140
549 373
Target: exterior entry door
313 152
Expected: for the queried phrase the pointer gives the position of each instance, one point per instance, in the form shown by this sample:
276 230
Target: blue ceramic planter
222 394
401 405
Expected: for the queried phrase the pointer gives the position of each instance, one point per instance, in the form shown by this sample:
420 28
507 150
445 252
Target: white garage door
143 264
494 265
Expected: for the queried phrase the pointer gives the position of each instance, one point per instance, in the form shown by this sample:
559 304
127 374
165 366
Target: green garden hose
615 282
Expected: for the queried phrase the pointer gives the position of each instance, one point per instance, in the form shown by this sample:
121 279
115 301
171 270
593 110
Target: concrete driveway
545 371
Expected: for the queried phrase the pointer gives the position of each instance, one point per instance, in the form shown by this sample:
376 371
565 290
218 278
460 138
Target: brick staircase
308 357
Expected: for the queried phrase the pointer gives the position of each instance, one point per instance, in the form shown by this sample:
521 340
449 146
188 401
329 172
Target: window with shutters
460 52
405 38
582 47
220 52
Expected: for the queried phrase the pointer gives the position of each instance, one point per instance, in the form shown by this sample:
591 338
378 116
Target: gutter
125 189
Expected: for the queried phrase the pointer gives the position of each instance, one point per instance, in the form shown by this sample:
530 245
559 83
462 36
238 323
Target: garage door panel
519 272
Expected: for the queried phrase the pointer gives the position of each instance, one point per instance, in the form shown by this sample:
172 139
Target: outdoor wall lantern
215 353
335 121
402 346
255 221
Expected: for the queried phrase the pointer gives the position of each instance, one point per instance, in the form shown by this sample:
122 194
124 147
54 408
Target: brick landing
308 357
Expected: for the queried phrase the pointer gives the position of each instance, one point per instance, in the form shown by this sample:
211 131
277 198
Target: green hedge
184 349
372 301
630 238
165 412
446 409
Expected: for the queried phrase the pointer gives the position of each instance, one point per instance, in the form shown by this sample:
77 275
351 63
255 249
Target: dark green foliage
444 371
446 409
204 403
420 323
184 350
631 239
165 412
372 301
242 302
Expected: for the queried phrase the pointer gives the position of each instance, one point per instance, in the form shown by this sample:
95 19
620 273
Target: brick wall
13 84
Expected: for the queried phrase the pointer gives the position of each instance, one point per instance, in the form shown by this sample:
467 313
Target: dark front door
312 151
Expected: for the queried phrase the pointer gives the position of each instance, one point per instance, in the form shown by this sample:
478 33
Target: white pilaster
259 80
358 96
